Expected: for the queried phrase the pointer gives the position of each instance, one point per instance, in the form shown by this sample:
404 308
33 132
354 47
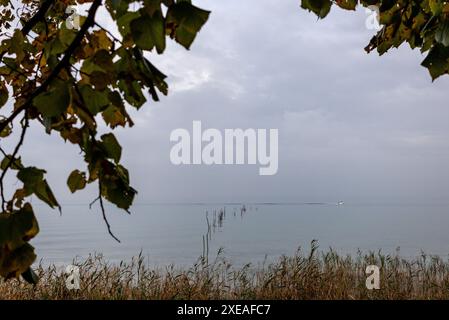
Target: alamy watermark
73 19
72 282
233 146
72 279
373 280
372 22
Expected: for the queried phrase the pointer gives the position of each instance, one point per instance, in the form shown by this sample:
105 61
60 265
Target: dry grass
312 275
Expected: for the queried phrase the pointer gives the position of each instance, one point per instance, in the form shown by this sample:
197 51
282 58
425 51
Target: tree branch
13 157
89 22
40 15
103 211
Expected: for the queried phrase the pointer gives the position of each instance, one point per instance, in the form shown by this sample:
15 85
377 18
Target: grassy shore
306 275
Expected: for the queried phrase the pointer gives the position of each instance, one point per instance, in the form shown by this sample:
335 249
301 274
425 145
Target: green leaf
437 61
133 93
6 131
4 94
124 22
184 21
54 102
44 193
34 182
17 45
30 176
320 7
112 147
149 32
436 6
156 76
76 181
115 114
16 229
117 8
103 59
116 189
119 195
442 34
66 36
95 100
15 164
347 4
114 117
99 79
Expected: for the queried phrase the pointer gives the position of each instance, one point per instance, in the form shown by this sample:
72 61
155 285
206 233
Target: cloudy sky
351 126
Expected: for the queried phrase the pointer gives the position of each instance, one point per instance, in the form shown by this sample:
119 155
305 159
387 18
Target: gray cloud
352 126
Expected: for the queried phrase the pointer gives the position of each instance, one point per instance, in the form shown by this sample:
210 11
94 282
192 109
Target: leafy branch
422 24
65 79
63 63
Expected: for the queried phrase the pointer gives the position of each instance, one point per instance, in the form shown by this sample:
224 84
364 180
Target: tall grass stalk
305 275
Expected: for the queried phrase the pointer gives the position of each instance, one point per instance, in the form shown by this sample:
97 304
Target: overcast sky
352 126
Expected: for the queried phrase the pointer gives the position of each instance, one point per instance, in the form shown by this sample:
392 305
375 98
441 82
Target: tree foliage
422 24
68 81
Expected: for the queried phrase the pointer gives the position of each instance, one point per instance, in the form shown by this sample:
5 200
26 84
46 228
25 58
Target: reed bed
306 275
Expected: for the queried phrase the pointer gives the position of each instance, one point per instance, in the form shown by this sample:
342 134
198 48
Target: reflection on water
218 218
180 234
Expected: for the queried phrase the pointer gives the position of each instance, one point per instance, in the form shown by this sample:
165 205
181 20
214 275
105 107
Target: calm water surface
174 233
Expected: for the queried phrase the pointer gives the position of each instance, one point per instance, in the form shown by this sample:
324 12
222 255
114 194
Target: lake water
174 233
